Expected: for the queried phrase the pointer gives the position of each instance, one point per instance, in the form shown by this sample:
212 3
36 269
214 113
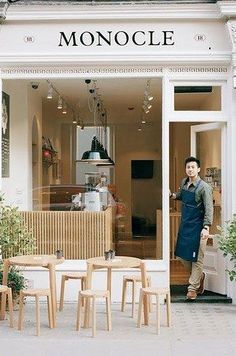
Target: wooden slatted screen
80 235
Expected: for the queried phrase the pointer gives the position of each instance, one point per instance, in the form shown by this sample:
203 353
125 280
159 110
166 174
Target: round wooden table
118 262
46 261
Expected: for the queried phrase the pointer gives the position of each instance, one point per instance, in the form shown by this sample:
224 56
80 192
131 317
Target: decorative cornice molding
231 25
81 71
227 8
161 11
39 59
84 71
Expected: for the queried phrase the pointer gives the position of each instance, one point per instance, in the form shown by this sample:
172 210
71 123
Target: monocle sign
86 39
116 38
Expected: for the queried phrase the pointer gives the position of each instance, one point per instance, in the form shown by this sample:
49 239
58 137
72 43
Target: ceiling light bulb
74 120
146 111
64 110
59 104
49 96
149 106
150 97
143 121
139 129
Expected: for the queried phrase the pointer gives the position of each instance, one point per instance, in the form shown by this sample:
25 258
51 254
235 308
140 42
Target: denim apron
192 216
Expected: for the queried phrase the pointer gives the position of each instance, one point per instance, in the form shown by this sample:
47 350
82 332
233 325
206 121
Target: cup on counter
107 255
59 254
112 254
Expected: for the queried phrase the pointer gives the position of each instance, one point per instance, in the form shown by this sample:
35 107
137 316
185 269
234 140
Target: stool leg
168 309
150 297
82 288
37 315
63 280
21 312
79 307
50 320
124 288
158 313
94 317
108 310
134 288
140 308
10 306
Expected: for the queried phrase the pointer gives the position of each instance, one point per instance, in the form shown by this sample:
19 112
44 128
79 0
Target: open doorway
204 141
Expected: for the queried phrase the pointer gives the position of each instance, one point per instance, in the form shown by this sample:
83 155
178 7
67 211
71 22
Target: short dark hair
192 159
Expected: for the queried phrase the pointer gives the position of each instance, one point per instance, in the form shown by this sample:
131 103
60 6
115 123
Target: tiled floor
198 329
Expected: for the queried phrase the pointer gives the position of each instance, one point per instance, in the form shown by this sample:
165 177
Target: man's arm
207 198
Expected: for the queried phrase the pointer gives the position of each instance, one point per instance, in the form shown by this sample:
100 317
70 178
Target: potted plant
227 243
15 239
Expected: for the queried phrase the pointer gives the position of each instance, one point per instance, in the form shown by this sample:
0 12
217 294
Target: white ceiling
118 96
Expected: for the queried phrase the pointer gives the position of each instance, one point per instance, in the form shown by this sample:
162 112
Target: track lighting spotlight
49 96
59 104
64 109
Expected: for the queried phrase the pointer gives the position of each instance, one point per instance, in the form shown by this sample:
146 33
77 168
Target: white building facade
184 44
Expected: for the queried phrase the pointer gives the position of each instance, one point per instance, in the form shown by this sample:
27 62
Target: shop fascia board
56 12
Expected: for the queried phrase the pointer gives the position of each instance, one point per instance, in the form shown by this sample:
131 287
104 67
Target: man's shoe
192 294
201 288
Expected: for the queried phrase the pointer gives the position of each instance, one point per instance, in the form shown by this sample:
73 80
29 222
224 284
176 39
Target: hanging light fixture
64 108
110 162
49 95
97 154
59 104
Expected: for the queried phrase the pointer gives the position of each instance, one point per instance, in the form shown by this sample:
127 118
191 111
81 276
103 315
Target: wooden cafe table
46 261
118 262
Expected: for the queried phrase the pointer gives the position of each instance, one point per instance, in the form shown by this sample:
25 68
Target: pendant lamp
96 154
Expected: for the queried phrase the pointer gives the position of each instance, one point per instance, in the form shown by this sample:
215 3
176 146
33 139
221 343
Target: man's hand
204 234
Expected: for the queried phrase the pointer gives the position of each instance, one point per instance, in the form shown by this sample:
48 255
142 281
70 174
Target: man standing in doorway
196 218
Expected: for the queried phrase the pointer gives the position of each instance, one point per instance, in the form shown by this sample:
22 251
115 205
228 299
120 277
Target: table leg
6 266
52 281
145 300
87 300
109 280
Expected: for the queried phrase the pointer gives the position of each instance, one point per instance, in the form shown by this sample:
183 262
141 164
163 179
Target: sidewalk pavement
197 330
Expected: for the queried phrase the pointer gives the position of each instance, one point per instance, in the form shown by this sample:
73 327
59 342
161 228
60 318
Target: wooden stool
157 292
134 280
93 294
65 277
6 290
35 293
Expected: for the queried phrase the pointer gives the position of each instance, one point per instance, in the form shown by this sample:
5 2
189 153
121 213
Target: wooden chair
147 292
6 290
65 277
94 294
134 280
36 293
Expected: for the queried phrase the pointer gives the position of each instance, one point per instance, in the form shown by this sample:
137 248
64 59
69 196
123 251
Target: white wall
24 105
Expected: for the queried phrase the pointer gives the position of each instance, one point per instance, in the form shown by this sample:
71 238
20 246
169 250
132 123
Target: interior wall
180 150
146 195
132 144
24 105
51 128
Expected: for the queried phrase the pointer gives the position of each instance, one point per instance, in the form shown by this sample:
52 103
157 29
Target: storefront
185 50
